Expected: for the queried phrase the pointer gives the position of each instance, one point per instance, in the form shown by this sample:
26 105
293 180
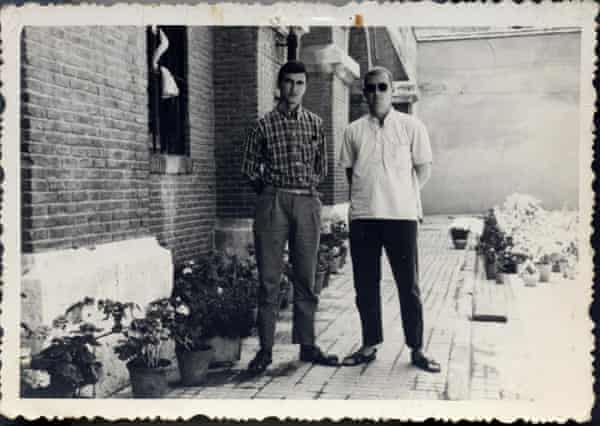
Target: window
168 92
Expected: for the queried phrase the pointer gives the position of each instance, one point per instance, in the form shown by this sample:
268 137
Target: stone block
137 270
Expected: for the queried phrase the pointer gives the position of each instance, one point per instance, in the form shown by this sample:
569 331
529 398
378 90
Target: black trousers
399 238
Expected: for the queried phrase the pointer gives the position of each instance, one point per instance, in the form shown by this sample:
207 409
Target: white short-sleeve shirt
383 160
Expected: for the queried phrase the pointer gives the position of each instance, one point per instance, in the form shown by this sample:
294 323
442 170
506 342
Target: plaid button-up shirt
286 150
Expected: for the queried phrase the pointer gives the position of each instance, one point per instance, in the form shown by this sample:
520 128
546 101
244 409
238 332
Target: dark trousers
399 238
296 219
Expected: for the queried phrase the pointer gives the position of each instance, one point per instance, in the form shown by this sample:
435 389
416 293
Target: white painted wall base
138 270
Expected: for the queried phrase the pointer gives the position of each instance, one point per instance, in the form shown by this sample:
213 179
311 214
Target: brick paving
478 360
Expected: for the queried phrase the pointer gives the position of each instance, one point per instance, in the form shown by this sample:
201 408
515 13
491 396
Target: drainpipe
293 42
292 45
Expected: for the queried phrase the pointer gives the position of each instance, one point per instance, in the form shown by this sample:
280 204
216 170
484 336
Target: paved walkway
475 357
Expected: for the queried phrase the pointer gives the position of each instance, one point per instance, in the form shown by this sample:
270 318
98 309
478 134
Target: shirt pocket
400 156
310 147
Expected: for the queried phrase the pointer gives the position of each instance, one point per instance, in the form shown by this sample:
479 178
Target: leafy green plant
142 340
220 289
117 311
492 241
69 360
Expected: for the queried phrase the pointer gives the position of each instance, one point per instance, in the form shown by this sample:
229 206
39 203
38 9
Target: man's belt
293 190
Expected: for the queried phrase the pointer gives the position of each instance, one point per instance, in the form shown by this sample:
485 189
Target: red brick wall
384 53
340 116
246 63
86 145
328 97
84 136
183 206
358 50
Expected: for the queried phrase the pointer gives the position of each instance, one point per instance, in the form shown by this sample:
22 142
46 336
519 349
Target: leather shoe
419 360
260 362
315 355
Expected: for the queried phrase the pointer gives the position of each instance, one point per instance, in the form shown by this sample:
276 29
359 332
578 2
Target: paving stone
448 338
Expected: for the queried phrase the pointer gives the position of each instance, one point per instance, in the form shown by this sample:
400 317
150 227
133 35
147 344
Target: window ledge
170 164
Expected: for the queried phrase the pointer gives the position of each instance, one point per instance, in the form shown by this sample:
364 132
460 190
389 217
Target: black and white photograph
273 213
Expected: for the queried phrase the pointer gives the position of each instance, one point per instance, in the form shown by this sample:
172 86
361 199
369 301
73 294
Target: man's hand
258 186
423 173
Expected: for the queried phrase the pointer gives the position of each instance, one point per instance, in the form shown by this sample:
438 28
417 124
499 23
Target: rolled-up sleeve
420 145
347 158
252 155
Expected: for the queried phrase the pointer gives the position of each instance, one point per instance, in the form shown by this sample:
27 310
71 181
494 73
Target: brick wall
340 117
183 206
358 50
235 84
84 136
384 54
86 146
328 97
246 64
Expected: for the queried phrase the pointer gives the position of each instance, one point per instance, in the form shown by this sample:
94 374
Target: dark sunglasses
370 88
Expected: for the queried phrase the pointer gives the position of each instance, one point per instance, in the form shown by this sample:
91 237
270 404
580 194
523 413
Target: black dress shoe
260 362
419 360
315 355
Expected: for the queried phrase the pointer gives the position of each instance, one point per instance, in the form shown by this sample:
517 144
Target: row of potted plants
521 237
213 301
331 258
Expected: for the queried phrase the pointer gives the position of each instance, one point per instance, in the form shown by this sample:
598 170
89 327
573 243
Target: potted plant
224 286
544 266
193 354
323 264
505 265
340 233
491 242
530 274
69 360
140 348
459 232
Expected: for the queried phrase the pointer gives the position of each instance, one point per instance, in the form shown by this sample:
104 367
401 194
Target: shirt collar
295 114
375 121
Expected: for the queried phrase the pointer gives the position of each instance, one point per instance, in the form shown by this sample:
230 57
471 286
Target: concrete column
331 74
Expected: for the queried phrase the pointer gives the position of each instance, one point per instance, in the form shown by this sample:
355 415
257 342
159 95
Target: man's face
292 88
378 93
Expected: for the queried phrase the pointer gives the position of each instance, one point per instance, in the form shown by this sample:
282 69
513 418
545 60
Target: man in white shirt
387 157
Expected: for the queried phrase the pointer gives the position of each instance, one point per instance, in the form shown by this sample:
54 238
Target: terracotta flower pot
193 365
319 280
530 279
490 270
149 382
228 350
459 243
502 277
333 265
545 271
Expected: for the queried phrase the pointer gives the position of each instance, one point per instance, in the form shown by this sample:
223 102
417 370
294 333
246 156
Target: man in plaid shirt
284 160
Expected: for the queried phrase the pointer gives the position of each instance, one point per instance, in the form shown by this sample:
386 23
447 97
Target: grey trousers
296 219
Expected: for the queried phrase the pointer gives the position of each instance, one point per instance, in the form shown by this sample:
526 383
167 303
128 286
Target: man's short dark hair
291 67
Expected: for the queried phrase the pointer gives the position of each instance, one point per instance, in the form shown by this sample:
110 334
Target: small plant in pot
322 270
544 266
505 265
194 355
340 233
530 274
460 237
224 286
69 360
140 348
